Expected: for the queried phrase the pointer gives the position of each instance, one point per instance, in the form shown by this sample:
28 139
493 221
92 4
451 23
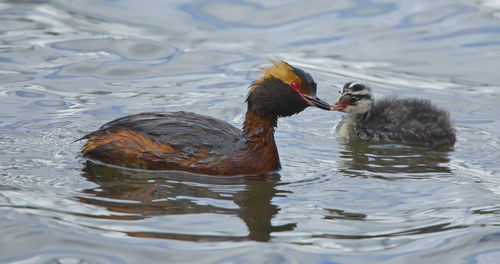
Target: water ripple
434 15
182 63
464 32
134 49
237 13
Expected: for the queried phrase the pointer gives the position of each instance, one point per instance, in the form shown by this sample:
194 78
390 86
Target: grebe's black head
354 98
283 91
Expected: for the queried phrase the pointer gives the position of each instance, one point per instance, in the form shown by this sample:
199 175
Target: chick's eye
294 85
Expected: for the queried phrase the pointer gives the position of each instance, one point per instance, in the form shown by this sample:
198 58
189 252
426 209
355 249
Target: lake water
67 67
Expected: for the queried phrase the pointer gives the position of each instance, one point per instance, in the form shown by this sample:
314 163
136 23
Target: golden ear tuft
280 70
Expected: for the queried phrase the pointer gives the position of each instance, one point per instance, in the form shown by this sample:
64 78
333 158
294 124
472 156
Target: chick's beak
342 103
339 106
315 101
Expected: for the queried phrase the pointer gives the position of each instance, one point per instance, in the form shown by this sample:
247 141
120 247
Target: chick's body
408 120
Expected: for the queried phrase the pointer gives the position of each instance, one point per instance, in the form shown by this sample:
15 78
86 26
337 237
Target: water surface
67 67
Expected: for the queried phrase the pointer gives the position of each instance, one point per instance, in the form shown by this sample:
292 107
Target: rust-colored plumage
200 144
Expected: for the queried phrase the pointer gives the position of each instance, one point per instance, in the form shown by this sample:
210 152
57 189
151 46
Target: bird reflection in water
136 195
392 161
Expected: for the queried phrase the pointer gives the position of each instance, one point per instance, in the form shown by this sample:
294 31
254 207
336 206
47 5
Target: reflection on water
141 194
362 158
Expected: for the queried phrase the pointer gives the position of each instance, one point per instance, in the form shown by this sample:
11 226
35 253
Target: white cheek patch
360 89
361 107
353 84
361 98
362 92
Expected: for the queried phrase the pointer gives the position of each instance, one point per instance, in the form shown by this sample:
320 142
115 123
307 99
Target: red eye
294 85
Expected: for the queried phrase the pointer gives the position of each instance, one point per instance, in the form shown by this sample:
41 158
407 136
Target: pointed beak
315 101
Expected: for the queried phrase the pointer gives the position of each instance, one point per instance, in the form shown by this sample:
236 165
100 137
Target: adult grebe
199 144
